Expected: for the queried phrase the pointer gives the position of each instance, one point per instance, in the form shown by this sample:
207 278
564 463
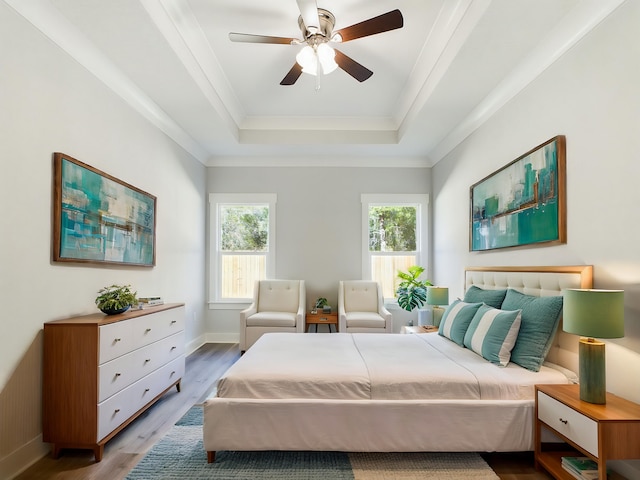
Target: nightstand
419 329
320 318
600 432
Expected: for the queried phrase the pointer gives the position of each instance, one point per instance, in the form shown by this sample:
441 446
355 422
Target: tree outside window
394 237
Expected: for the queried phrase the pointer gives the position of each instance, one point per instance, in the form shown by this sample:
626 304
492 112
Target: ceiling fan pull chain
319 72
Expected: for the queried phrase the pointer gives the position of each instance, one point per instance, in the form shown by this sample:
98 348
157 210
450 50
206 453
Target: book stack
146 302
582 468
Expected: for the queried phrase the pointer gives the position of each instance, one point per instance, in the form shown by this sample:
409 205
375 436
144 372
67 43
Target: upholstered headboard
538 281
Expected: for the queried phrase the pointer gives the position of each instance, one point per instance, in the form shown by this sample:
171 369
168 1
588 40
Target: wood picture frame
523 203
99 219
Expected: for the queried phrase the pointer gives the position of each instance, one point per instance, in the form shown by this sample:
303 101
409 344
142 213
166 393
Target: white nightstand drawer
568 422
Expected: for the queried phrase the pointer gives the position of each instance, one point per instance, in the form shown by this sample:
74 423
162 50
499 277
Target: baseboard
21 459
223 338
193 345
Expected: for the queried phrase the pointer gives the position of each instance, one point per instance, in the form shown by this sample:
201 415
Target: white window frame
420 201
215 273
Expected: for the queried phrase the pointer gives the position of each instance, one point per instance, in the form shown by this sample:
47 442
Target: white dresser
100 372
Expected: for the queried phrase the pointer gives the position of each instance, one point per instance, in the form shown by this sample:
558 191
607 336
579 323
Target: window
242 244
394 231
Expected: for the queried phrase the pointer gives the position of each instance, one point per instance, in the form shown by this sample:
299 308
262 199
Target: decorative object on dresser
436 297
99 219
101 372
115 299
593 314
523 203
601 432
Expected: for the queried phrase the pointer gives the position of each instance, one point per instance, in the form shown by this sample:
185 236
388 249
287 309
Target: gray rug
180 455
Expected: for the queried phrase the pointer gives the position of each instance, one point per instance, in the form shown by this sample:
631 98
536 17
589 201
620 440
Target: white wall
49 103
591 95
318 218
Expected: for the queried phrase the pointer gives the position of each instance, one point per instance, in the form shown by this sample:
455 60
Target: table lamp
593 314
437 296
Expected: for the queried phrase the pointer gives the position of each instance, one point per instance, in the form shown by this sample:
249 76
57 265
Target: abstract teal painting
523 203
100 219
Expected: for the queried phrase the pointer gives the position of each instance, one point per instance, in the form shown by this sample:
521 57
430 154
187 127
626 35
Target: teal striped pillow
456 319
492 333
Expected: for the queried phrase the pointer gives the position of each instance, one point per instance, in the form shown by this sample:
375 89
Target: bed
389 392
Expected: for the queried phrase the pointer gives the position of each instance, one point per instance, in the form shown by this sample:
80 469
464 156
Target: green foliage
245 228
412 292
116 297
392 229
321 302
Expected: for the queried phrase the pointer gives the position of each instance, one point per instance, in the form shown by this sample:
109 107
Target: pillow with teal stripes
456 319
492 333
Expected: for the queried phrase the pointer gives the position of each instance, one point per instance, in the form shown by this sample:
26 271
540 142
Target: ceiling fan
317 57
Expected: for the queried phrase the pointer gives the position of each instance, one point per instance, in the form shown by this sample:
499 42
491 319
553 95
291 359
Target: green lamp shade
594 313
437 296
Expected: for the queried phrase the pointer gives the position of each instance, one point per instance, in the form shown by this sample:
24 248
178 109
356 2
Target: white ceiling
452 65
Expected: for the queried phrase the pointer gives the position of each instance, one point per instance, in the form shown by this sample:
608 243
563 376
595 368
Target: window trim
215 199
396 199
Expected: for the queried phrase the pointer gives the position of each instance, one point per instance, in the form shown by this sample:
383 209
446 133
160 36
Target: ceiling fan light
306 58
327 55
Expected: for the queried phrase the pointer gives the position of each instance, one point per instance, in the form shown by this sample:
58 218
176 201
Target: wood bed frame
398 425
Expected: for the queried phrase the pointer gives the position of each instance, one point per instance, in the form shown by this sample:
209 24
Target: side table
600 432
419 329
320 318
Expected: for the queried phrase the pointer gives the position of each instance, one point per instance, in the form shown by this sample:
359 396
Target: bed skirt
368 426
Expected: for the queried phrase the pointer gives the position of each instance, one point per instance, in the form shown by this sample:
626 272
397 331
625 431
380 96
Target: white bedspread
364 366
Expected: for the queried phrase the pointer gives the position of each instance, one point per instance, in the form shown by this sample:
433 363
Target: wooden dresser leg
178 386
55 451
98 450
211 457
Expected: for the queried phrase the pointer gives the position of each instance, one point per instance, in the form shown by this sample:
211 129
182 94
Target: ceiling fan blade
249 38
352 67
382 23
309 12
293 75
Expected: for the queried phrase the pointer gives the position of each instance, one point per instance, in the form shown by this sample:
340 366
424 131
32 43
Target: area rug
180 455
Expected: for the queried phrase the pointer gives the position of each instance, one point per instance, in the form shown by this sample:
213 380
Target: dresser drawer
151 328
149 387
118 408
121 372
573 425
115 340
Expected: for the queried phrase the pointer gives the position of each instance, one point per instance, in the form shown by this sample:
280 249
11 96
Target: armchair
361 308
278 306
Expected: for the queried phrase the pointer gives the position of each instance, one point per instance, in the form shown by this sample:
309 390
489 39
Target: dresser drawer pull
117 410
173 321
116 340
147 330
173 348
147 360
562 420
146 390
118 374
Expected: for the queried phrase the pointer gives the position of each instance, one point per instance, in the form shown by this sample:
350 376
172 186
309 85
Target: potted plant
321 302
412 292
115 299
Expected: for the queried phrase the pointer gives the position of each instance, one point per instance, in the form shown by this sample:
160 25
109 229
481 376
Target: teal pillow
492 334
540 317
493 298
456 319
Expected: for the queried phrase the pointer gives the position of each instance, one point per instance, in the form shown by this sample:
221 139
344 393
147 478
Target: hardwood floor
203 368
